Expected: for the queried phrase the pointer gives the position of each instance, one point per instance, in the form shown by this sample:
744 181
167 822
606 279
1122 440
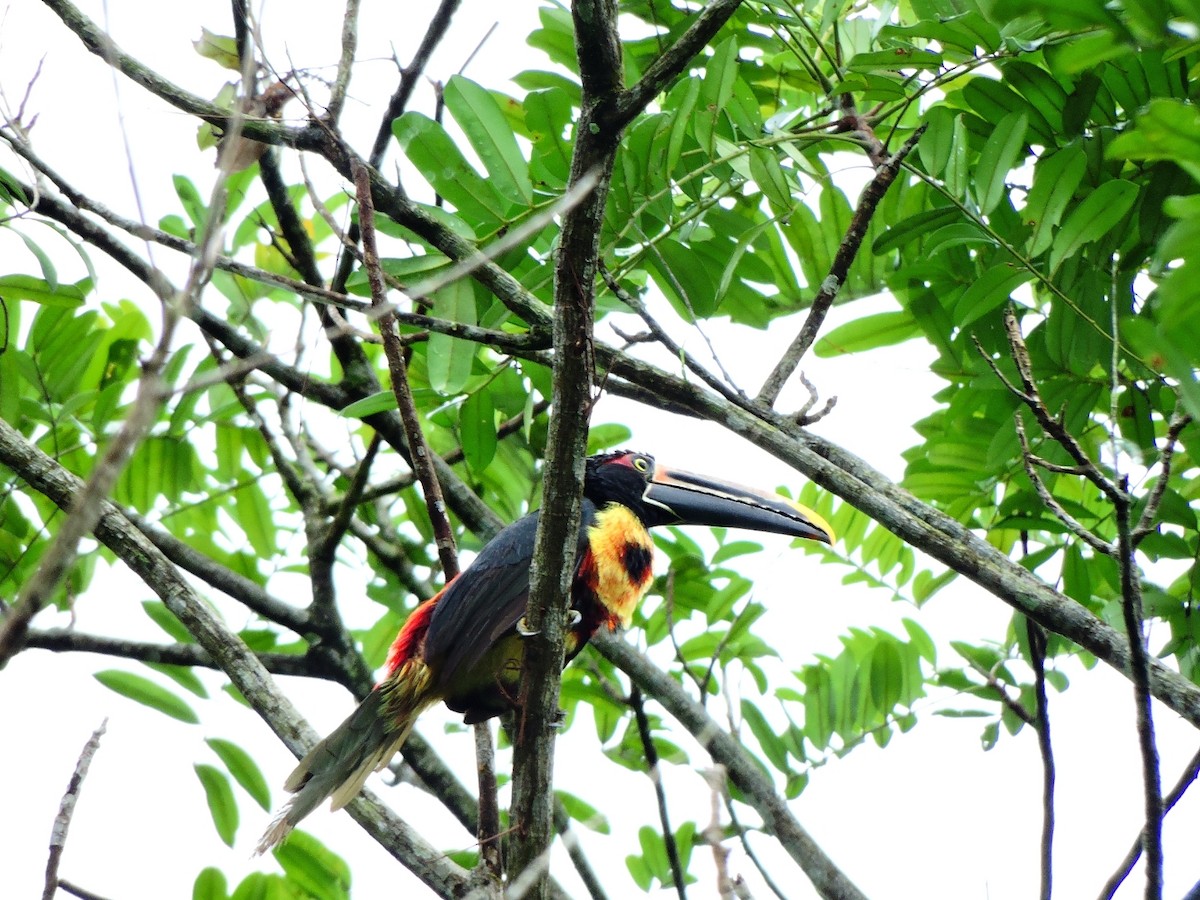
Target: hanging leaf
477 430
1098 214
146 692
481 119
244 770
221 803
998 158
449 359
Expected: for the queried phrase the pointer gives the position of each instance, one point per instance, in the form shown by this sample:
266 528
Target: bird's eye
641 464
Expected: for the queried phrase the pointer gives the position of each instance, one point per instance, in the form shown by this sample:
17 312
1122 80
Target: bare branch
598 49
1186 779
1030 396
1048 499
62 640
838 271
66 809
672 62
1037 653
229 651
660 795
337 96
829 881
1145 524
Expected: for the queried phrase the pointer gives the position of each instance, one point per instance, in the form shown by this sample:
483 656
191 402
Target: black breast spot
636 560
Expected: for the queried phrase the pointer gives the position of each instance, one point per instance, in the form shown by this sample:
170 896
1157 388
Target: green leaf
210 884
221 803
184 676
481 119
449 359
244 770
49 272
913 227
720 71
254 518
606 436
381 401
439 160
148 693
1100 211
987 293
477 430
1168 129
867 333
998 158
166 620
764 733
190 198
584 813
219 48
317 870
896 59
935 143
1055 179
38 290
771 180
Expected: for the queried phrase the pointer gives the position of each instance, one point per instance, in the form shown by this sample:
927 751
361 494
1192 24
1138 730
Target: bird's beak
689 499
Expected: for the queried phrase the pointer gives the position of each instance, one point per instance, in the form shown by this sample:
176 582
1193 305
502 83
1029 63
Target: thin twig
66 809
1048 499
447 551
1145 525
655 773
839 269
1037 655
1186 778
1032 398
337 95
1131 607
82 893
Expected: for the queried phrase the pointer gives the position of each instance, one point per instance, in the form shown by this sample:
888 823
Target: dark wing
487 600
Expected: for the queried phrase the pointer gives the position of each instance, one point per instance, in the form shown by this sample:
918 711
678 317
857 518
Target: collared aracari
464 645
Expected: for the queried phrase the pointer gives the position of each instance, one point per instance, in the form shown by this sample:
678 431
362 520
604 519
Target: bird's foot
523 628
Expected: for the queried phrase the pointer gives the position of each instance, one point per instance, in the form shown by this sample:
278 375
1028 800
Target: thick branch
598 48
945 539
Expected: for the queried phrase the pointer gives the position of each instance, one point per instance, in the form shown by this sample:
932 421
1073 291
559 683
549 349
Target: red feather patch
412 636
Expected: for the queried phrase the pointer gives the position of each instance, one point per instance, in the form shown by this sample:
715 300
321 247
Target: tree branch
64 640
598 48
229 651
829 881
839 270
62 822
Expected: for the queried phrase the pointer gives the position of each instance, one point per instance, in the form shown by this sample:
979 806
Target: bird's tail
338 765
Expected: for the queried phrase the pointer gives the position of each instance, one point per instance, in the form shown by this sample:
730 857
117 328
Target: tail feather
338 765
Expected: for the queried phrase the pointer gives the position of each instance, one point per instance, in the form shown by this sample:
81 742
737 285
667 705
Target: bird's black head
661 496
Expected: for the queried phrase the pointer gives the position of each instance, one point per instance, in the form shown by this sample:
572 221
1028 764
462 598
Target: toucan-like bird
464 646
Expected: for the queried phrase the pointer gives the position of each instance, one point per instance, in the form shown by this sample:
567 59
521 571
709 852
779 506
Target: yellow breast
621 553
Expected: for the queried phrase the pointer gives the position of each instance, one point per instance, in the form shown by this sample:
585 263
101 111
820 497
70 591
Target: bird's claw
574 617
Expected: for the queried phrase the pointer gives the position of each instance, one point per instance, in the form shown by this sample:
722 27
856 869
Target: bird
464 646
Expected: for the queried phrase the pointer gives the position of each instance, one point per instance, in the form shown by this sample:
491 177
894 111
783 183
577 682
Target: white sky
931 816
